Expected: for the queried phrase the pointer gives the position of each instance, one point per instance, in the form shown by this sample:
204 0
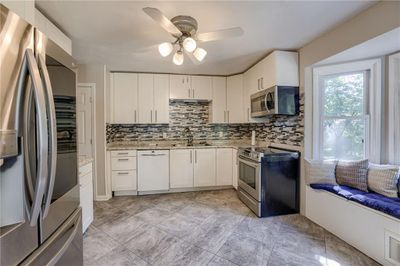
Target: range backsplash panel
195 115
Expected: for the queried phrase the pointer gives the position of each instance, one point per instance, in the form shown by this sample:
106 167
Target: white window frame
373 135
394 109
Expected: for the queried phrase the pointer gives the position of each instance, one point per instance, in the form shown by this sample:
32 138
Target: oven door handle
248 162
52 133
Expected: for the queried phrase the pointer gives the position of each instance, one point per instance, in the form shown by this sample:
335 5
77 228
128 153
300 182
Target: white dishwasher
153 170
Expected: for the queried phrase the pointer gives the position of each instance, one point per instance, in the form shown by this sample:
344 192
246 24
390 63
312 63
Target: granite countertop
169 145
84 160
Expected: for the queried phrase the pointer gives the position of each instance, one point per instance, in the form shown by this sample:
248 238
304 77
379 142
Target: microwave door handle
266 102
52 134
30 66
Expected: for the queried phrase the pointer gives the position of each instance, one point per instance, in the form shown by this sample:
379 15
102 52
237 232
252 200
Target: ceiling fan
184 30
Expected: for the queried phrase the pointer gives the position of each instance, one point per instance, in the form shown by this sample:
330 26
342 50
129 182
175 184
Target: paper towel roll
253 138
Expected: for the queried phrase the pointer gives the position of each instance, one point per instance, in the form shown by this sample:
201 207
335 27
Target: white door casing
84 119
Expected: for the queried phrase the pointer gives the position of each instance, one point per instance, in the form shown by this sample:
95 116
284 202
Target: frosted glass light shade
165 49
200 54
189 44
178 58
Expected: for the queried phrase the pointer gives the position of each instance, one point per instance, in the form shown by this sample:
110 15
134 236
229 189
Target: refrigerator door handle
52 133
30 66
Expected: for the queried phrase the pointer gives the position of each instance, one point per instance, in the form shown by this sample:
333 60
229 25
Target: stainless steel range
269 180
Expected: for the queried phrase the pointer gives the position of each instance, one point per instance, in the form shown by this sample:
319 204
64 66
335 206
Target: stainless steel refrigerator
40 217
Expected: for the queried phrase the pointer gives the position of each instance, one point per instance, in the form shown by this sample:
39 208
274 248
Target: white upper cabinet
234 99
146 98
201 87
224 167
179 86
218 112
181 168
123 98
190 87
161 99
280 68
204 167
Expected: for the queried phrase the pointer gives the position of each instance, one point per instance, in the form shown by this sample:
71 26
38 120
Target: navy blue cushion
343 191
379 202
374 201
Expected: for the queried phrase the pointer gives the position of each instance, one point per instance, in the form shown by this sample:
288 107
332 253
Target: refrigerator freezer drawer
64 247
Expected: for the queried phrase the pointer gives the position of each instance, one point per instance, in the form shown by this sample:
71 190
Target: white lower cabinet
181 168
123 170
224 167
153 170
204 167
235 173
86 194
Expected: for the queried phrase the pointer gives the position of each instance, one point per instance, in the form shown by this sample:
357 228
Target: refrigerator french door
39 206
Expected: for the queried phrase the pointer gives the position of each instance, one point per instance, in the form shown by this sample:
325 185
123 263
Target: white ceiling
119 34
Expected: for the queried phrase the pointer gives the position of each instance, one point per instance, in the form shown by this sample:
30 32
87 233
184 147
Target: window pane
343 95
343 139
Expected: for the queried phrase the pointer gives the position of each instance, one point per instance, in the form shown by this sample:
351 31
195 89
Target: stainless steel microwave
277 100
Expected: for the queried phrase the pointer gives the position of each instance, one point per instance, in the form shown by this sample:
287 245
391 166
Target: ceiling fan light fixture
200 54
178 58
189 44
165 49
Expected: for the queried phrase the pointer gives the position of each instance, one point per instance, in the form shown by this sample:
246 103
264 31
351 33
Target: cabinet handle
189 92
258 84
195 156
193 93
183 80
191 159
224 116
151 116
123 159
248 114
228 116
135 117
122 153
123 173
156 115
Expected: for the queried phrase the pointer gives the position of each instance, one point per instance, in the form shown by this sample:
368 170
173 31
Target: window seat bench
390 206
361 219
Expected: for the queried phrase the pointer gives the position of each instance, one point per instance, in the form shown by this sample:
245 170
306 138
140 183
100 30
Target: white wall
98 74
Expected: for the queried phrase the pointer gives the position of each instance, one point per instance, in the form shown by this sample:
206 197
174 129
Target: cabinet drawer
85 169
123 153
123 163
123 180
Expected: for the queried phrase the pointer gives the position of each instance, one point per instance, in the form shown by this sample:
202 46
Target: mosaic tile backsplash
195 115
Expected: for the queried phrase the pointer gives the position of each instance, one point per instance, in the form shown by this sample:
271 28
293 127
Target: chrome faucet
189 135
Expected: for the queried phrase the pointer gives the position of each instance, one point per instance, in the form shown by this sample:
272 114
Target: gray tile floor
207 228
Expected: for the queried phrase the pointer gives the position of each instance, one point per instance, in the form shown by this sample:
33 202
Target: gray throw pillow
320 172
352 174
382 179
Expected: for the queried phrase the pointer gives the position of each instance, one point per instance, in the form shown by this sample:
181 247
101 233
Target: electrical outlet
221 134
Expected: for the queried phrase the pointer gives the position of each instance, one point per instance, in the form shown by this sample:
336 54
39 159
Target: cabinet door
124 98
123 180
161 99
234 103
218 110
235 173
86 202
224 167
201 87
181 168
204 167
146 97
179 87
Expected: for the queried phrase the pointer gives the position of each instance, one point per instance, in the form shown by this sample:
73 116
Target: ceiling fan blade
164 22
220 34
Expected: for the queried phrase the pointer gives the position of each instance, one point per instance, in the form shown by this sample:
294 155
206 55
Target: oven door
250 177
